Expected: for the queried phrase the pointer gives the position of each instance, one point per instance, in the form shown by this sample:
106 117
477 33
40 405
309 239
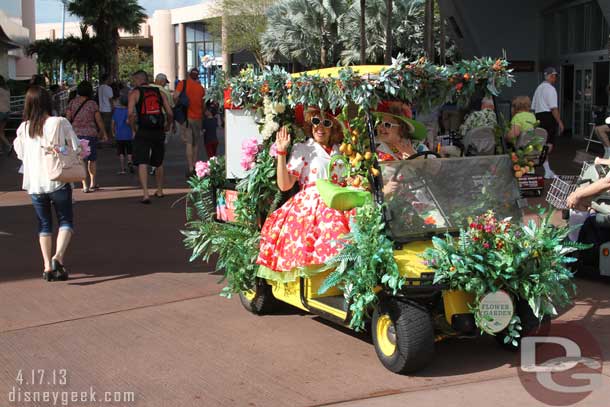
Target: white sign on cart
240 125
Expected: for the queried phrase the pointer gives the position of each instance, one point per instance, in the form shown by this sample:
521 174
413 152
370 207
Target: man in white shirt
105 96
544 104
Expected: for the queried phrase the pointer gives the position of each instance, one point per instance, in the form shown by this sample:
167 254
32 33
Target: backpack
149 108
182 105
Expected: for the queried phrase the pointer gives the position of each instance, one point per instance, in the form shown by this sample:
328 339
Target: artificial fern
365 261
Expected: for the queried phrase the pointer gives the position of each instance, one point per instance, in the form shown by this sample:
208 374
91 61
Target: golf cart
434 196
408 308
588 228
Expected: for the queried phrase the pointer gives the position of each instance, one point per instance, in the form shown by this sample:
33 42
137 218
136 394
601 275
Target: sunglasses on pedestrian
389 125
325 122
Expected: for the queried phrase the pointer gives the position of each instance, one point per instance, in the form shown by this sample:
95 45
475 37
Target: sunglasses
389 125
325 122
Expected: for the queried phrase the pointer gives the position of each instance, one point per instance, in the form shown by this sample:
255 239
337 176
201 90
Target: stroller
479 141
592 228
530 183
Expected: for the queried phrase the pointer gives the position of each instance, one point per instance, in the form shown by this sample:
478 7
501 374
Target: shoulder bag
182 105
62 162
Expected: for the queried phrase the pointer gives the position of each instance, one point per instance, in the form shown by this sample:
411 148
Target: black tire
414 336
529 324
263 301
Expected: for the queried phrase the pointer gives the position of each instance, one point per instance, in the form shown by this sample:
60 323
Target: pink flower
486 245
202 169
488 228
249 149
273 150
85 149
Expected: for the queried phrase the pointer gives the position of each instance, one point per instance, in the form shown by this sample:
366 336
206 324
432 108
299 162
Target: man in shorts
146 109
544 104
190 131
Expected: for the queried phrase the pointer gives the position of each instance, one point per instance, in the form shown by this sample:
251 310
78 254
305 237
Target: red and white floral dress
303 232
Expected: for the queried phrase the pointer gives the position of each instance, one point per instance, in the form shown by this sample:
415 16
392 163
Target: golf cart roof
334 72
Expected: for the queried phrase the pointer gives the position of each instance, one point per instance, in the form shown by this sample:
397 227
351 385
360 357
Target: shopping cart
560 188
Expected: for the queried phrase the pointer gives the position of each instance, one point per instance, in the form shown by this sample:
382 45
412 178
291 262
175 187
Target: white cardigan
31 152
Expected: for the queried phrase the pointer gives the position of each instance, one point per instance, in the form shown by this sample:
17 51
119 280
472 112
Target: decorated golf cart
440 253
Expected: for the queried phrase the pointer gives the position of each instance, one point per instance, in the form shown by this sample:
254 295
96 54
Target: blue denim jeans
62 202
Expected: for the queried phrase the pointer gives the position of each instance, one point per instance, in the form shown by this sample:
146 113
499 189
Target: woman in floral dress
298 238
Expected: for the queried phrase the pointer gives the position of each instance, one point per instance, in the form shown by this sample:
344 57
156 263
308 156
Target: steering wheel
423 153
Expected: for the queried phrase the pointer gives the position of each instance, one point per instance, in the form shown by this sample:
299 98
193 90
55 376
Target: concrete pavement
137 317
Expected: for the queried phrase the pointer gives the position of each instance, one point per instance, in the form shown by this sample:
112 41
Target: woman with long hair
84 114
39 130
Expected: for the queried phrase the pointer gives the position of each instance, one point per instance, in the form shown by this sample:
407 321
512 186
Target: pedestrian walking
37 131
5 111
121 132
210 124
546 108
190 131
84 114
146 107
105 95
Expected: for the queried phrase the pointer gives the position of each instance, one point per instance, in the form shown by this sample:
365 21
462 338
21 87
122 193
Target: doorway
583 100
567 98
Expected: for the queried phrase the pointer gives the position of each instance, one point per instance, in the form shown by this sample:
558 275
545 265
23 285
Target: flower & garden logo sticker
561 365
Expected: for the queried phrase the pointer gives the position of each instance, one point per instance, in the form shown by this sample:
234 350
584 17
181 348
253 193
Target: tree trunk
428 30
114 62
388 33
362 32
443 42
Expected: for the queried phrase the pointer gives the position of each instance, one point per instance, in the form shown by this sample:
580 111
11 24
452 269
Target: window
579 28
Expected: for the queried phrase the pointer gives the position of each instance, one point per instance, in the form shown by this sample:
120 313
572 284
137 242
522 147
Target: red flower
429 221
459 86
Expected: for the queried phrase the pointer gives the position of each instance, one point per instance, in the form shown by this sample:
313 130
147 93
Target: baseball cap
550 71
161 77
194 70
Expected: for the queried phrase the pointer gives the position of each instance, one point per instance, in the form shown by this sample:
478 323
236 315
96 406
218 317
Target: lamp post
63 26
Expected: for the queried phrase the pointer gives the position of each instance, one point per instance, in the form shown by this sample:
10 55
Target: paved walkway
137 317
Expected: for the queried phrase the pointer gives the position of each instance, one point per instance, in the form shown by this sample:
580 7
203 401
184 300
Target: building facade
570 35
17 30
179 38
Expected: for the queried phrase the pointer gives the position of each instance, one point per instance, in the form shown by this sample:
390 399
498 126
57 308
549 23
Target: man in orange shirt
190 131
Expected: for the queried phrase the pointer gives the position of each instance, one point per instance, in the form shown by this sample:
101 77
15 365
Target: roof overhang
6 41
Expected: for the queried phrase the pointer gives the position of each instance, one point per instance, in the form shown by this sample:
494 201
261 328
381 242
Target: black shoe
48 276
61 274
153 170
130 166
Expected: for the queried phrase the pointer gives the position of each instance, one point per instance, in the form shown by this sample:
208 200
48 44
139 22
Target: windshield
430 196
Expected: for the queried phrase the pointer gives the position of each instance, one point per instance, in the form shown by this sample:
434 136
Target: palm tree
406 25
306 31
107 17
362 32
388 32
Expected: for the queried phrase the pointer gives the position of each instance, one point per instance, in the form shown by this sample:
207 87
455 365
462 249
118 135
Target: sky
49 11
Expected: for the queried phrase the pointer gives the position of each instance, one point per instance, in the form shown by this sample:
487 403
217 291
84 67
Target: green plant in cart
365 261
528 261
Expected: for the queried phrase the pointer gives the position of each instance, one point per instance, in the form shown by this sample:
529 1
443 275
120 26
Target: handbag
181 105
338 197
62 162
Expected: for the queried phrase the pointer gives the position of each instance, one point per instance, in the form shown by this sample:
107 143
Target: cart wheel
260 299
403 335
529 324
